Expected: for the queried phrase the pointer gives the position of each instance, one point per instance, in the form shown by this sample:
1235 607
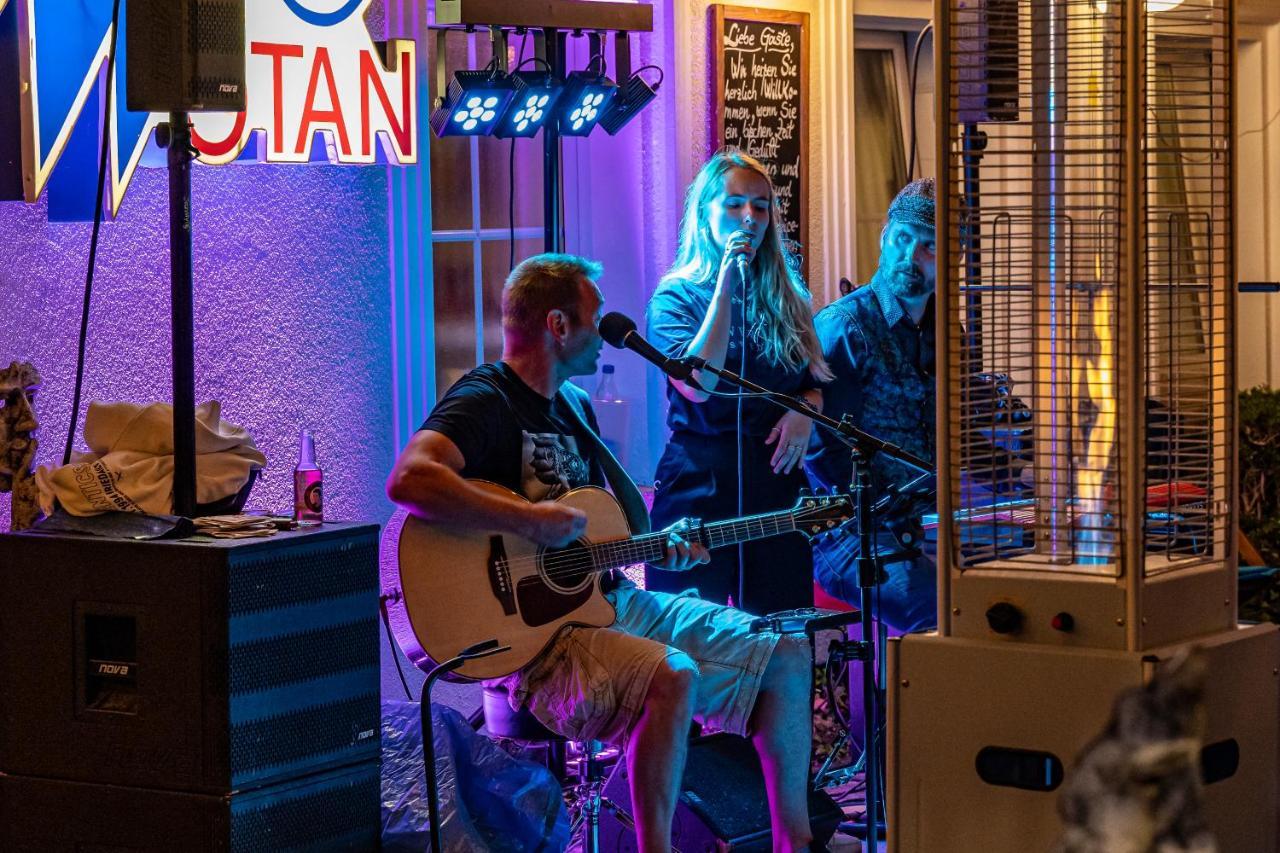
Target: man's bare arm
425 481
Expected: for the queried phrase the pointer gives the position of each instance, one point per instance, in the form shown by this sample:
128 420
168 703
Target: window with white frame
486 212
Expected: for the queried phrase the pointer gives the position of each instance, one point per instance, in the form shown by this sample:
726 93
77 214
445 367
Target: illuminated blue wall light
536 95
586 96
472 104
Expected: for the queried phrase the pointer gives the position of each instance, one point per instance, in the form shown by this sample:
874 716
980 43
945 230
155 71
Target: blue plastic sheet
488 799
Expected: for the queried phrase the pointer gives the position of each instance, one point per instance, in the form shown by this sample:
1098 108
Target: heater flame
1093 542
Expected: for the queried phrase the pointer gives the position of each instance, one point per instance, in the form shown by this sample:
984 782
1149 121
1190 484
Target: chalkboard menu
761 99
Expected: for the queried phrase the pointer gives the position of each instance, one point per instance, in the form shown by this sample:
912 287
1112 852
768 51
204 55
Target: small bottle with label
308 491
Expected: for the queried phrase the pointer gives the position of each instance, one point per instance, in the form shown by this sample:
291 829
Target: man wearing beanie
879 343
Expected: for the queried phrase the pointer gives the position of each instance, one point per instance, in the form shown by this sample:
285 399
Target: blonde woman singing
734 297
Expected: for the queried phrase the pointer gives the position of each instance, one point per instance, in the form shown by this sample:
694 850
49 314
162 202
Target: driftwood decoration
18 386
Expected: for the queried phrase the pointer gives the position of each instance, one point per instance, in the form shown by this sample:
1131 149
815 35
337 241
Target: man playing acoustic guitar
667 659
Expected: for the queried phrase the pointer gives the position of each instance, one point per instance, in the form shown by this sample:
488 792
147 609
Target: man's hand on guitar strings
554 524
682 554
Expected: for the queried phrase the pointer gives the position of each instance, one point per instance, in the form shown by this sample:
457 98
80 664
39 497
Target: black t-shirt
511 435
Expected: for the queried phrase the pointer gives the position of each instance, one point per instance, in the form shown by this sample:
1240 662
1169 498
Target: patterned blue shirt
884 378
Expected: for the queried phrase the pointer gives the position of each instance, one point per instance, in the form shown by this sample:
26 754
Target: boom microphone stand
862 447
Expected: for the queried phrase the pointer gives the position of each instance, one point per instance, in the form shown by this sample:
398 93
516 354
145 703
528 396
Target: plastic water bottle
607 389
613 413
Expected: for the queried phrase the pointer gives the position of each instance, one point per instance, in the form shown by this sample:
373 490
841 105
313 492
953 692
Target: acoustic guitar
448 588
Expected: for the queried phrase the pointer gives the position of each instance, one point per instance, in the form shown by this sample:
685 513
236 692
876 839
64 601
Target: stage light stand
553 44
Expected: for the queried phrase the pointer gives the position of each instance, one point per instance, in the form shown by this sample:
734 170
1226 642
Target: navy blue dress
697 475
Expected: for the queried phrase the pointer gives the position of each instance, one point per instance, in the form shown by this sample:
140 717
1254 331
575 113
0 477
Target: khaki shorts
591 683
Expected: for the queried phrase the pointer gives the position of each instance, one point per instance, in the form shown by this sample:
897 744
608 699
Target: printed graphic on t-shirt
551 465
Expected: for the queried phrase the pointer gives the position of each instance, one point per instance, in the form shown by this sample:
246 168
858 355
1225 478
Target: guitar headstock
818 514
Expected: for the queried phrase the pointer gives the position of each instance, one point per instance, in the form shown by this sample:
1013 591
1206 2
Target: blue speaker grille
295 658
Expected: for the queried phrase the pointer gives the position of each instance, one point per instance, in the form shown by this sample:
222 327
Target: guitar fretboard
652 547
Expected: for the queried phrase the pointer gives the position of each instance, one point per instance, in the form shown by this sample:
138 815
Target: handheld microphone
619 330
743 263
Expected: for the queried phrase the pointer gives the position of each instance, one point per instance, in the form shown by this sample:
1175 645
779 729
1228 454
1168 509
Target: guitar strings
582 560
579 561
633 550
573 561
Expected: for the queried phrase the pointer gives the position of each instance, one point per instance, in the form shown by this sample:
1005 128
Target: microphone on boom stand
619 330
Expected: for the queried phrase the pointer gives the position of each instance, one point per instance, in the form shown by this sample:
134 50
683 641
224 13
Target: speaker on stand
183 56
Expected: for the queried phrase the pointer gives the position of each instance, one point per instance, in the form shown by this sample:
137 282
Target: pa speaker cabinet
204 666
722 803
335 810
982 734
184 55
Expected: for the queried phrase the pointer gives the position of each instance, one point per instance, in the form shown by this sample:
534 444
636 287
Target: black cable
522 63
915 69
511 170
742 370
511 206
93 238
391 643
661 76
733 395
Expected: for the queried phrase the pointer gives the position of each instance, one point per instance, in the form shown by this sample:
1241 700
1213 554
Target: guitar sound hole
566 568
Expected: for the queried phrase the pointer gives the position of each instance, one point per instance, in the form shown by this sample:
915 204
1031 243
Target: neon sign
311 67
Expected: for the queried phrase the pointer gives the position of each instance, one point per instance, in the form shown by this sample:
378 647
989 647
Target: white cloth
129 466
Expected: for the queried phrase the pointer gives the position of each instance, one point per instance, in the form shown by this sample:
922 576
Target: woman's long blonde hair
779 309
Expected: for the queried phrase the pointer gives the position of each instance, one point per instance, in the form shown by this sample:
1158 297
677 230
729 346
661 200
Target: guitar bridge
500 575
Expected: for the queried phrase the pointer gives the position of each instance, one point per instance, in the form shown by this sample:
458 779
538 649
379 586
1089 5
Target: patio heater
1087 257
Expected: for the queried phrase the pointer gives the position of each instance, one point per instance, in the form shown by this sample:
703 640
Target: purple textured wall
292 316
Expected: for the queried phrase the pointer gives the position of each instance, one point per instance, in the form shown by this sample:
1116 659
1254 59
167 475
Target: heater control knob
1064 622
1004 618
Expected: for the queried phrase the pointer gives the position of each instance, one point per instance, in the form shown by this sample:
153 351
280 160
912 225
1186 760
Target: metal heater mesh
1088 284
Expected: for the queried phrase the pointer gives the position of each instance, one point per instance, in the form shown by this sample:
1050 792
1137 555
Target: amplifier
205 666
335 810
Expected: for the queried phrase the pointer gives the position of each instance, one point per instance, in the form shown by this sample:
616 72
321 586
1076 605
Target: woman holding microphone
733 297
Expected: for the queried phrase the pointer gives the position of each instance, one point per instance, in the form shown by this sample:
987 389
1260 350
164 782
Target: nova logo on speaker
310 69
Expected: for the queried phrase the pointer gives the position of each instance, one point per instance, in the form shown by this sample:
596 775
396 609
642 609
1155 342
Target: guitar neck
652 547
